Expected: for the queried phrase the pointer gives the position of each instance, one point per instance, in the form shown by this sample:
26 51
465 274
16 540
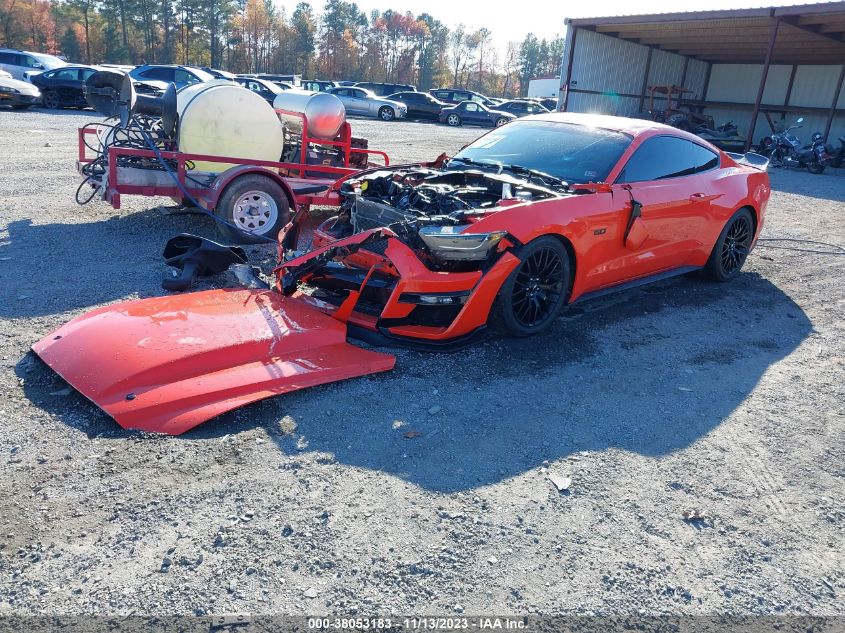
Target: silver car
365 103
16 93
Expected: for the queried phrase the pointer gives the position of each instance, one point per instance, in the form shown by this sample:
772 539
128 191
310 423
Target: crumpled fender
167 364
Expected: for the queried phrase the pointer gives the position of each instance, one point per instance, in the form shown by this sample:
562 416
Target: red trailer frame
307 175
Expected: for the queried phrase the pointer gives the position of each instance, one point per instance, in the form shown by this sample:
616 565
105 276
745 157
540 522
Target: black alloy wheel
732 248
51 100
535 293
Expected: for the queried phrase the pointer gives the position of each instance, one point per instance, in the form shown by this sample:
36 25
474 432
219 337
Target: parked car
180 75
363 102
594 204
457 95
382 89
16 93
219 74
474 113
318 85
23 64
421 105
550 103
124 67
267 89
521 107
62 87
294 80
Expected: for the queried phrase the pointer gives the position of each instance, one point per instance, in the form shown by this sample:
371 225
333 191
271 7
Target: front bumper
10 98
379 285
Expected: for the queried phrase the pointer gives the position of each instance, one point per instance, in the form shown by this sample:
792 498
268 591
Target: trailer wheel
254 207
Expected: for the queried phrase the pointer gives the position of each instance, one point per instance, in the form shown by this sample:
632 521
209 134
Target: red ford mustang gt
532 216
537 214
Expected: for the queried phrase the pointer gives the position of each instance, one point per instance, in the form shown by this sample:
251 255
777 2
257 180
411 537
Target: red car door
671 180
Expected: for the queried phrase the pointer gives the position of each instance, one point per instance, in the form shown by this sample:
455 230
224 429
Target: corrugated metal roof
807 34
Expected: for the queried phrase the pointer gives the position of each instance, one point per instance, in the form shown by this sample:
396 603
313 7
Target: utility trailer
255 197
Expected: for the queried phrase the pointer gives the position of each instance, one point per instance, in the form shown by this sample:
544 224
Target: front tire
500 122
534 294
732 248
386 113
454 120
51 100
254 207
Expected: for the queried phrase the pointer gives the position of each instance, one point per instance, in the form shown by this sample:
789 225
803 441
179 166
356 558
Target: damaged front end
400 260
404 244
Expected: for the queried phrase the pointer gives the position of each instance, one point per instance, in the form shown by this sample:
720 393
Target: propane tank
324 111
221 118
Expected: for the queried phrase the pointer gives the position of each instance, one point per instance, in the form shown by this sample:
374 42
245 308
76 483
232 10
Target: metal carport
769 54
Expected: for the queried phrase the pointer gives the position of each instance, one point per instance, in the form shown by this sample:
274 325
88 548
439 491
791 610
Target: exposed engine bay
432 210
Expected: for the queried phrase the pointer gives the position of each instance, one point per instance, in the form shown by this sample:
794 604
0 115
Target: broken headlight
447 242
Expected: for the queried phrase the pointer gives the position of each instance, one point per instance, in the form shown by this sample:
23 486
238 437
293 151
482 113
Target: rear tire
255 207
732 248
454 120
815 167
534 294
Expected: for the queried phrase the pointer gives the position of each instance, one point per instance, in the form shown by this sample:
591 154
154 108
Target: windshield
49 61
574 153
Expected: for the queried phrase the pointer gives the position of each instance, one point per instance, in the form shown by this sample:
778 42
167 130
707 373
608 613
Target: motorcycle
725 137
785 150
838 156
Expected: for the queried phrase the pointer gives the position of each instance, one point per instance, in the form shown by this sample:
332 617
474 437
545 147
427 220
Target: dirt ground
728 400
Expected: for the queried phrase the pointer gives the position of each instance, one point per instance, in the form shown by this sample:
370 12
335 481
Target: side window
29 61
667 157
85 73
67 73
7 58
471 107
359 94
183 76
342 93
442 95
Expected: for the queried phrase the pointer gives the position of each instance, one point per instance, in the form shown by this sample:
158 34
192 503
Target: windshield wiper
544 178
478 163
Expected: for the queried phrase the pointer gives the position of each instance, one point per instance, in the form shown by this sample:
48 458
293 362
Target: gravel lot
681 396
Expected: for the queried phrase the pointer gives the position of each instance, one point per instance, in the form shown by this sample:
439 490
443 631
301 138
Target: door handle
698 197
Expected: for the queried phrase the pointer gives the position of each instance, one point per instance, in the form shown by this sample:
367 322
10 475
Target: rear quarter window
663 157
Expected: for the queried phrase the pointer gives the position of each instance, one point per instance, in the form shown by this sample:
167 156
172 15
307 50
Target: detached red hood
167 364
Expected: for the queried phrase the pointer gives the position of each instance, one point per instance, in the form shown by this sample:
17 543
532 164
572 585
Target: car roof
631 127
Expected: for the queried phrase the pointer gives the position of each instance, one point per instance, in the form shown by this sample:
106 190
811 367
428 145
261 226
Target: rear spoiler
750 159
